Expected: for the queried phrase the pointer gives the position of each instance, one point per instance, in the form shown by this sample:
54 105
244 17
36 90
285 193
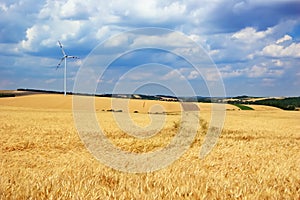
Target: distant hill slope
108 104
59 101
290 103
13 93
285 103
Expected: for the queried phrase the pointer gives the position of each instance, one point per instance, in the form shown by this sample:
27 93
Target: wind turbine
64 58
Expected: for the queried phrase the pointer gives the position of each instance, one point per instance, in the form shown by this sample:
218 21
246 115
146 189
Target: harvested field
42 157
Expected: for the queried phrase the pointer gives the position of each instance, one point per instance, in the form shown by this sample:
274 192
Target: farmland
243 107
42 157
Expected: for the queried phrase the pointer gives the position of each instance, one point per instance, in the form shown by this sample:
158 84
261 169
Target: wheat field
42 157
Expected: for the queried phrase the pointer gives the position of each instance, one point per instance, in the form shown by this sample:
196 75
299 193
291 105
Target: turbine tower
64 58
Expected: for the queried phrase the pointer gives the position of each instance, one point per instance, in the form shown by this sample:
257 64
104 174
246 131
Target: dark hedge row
6 95
290 103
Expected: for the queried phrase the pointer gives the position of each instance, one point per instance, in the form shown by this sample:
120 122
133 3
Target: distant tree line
199 99
290 103
7 95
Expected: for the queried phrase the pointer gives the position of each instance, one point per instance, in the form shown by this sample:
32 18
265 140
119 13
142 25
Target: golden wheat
42 156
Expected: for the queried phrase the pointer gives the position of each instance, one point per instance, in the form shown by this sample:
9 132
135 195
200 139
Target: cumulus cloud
169 39
174 74
40 35
277 62
283 39
255 71
153 11
245 44
249 34
193 75
231 15
16 17
275 50
229 72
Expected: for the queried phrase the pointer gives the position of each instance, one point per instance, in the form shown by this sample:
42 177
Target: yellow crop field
42 156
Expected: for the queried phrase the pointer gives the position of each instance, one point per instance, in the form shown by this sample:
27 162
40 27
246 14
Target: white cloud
172 39
151 10
46 35
102 32
3 7
235 73
32 34
210 74
228 72
245 44
261 71
274 50
182 74
213 52
75 9
277 63
255 71
173 75
118 41
199 39
250 34
283 39
52 80
68 10
193 75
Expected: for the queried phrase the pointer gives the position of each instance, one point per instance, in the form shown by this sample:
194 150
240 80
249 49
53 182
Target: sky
252 47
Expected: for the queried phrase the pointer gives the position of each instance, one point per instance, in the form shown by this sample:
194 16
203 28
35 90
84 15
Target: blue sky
255 44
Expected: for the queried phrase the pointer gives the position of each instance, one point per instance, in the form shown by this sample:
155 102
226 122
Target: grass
42 156
243 107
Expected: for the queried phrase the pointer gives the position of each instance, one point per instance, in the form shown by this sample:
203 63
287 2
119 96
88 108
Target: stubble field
42 157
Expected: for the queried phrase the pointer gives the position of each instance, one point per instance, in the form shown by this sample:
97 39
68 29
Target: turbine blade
73 57
61 47
61 60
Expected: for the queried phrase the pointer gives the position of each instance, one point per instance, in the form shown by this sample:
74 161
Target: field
42 157
243 107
